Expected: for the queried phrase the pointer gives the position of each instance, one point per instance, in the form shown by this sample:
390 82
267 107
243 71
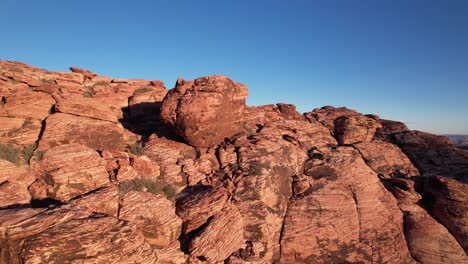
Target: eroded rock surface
95 169
206 110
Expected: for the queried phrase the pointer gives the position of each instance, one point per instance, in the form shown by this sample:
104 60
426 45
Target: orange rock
220 238
355 129
86 107
386 159
154 215
71 170
206 110
97 134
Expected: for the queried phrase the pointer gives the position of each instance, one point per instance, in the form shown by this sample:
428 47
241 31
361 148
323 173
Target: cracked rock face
206 110
95 169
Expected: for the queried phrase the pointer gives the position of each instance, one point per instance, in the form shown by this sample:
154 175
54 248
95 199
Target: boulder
222 237
355 129
68 171
205 111
386 159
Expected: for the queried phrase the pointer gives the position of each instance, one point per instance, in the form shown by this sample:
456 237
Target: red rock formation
206 110
95 169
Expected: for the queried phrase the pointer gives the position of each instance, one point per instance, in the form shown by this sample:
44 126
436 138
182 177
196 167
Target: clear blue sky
404 60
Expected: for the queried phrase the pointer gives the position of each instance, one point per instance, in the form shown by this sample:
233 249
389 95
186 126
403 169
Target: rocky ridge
95 169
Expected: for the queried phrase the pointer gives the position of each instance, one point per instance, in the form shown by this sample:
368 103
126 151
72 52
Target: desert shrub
40 154
158 186
249 131
28 151
44 80
143 90
234 166
256 167
136 149
16 69
102 83
89 93
7 152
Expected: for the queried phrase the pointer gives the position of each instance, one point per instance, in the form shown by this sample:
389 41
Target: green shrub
16 69
28 151
256 167
89 93
143 90
40 154
148 185
136 149
7 152
234 166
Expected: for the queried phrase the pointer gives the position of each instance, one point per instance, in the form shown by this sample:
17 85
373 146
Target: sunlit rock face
96 169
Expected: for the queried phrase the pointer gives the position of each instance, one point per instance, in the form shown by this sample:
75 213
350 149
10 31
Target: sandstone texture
95 169
206 110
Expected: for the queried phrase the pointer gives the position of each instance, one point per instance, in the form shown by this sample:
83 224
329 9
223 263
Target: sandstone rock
434 155
222 237
206 110
66 235
19 131
288 112
29 104
390 127
154 215
21 76
71 170
86 73
13 193
86 107
447 201
327 115
104 200
97 134
201 203
354 129
168 154
428 241
386 159
345 216
268 161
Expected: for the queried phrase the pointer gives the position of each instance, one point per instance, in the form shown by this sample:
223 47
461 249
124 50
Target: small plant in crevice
136 149
16 69
256 167
143 90
234 166
28 151
40 154
89 93
145 184
249 131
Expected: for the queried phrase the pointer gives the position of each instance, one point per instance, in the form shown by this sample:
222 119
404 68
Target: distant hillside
460 141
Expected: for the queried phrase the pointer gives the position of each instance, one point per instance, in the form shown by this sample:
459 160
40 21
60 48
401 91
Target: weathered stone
206 110
386 159
222 237
71 170
355 129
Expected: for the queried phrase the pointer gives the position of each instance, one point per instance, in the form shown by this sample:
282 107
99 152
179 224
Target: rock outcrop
206 110
95 169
